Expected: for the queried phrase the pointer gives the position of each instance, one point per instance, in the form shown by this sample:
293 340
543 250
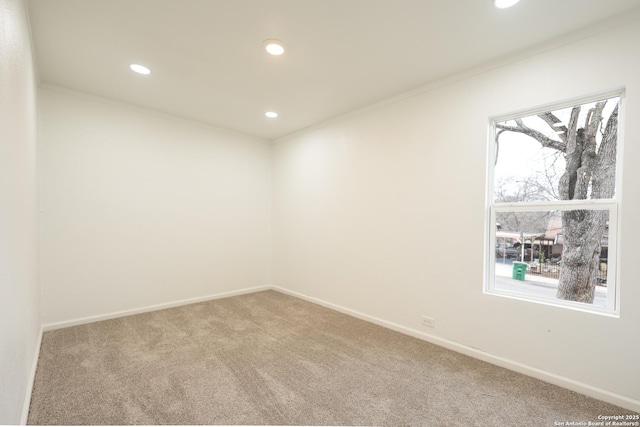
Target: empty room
319 212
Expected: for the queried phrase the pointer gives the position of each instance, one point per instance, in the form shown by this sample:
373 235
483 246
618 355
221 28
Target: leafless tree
590 172
512 189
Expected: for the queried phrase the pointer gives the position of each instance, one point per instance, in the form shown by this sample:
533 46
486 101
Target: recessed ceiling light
503 4
271 114
140 69
274 46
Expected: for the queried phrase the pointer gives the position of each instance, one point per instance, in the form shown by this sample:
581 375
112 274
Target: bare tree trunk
584 229
581 254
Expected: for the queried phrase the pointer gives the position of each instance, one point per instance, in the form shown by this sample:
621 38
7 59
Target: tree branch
552 121
573 124
497 146
538 136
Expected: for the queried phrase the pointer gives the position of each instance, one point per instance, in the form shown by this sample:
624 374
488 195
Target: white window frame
612 205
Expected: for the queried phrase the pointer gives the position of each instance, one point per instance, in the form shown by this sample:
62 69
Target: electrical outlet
429 322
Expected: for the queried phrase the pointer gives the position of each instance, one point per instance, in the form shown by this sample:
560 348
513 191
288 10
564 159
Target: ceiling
208 63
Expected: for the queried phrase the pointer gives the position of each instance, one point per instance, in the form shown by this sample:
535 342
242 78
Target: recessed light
274 46
503 4
271 114
140 69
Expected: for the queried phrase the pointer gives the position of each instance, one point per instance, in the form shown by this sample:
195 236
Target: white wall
140 209
383 213
19 289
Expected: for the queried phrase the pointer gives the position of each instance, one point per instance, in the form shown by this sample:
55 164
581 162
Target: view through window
553 204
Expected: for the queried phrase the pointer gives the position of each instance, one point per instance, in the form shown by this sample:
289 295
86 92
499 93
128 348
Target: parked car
515 252
507 251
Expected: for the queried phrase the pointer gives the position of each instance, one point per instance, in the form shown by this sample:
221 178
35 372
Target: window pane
547 261
563 154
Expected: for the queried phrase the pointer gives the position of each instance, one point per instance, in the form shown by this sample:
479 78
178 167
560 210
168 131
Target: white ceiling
208 64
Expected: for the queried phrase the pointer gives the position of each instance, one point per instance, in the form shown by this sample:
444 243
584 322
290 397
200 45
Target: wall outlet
429 322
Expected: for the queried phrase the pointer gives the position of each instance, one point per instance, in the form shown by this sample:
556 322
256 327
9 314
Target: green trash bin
519 269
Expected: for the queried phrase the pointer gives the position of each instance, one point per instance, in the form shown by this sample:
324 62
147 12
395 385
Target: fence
552 270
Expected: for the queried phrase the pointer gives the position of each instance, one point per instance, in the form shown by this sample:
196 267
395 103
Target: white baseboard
577 386
114 315
32 378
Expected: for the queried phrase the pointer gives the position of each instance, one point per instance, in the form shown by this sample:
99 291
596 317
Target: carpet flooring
271 359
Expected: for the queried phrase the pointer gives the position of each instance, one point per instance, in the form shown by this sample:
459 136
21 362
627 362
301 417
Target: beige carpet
268 358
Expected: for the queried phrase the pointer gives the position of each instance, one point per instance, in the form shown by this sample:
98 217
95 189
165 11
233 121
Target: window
553 205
